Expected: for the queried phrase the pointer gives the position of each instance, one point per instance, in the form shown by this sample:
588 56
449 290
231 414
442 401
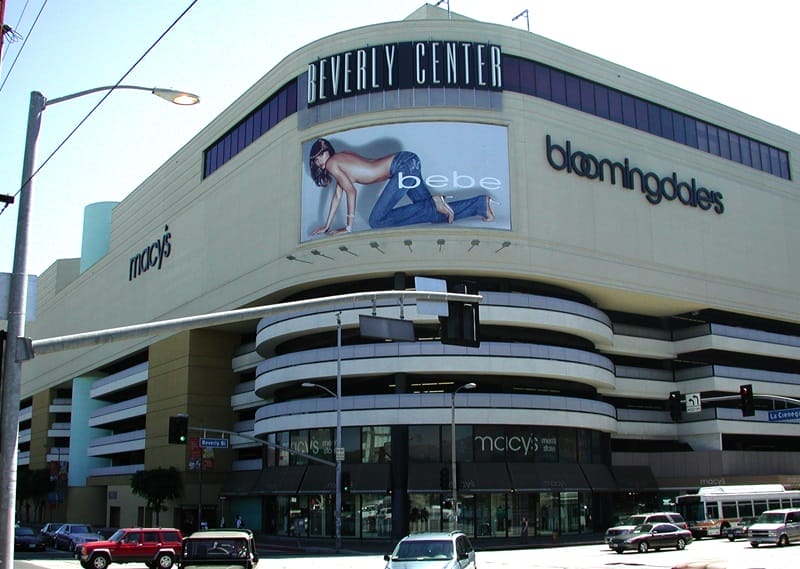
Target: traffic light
178 429
346 482
675 409
444 478
747 402
461 326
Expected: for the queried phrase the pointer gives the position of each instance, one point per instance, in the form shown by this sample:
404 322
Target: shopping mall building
628 239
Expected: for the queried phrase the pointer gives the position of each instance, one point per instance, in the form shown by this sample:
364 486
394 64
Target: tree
157 486
32 488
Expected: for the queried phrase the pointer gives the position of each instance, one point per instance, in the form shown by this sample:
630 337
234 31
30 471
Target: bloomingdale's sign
404 65
654 187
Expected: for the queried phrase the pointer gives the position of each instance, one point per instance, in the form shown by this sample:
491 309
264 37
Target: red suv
158 548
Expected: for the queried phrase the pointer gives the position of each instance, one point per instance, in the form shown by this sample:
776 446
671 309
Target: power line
22 47
102 100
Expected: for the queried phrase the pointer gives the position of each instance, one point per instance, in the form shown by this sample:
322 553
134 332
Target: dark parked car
48 531
631 522
645 537
739 530
25 539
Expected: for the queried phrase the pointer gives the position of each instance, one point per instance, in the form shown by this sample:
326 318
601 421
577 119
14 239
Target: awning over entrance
473 477
483 477
240 483
369 478
599 477
424 478
279 480
634 478
546 477
318 479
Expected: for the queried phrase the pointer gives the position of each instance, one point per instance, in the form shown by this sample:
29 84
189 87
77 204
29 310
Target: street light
17 348
338 451
453 479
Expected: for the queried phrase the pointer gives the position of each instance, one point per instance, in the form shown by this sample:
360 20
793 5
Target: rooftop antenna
527 20
448 6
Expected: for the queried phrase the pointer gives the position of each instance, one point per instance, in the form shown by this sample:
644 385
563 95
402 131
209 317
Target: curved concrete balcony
435 409
491 358
500 309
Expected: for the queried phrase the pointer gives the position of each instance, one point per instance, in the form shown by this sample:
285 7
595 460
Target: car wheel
620 550
164 561
783 540
731 537
753 544
99 562
681 545
644 547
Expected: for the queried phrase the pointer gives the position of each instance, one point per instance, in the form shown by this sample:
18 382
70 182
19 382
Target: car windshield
226 548
771 518
644 528
23 531
80 529
633 520
423 550
117 535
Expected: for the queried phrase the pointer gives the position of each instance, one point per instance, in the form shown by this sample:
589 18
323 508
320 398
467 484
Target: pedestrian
523 531
239 521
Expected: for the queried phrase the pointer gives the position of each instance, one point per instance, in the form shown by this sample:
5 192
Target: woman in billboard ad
383 184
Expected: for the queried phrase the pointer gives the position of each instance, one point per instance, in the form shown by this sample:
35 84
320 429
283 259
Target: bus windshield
691 508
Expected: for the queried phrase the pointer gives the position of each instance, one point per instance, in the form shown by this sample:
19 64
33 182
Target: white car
434 550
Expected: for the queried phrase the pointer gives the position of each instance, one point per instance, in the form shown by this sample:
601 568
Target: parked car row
643 532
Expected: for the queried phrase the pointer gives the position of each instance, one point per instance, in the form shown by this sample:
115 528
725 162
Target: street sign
784 414
213 443
693 404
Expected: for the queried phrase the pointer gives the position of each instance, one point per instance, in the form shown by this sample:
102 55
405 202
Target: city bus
714 509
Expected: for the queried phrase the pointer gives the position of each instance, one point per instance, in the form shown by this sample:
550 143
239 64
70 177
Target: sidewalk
282 545
322 546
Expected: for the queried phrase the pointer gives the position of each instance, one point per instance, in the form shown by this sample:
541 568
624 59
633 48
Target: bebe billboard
654 187
373 178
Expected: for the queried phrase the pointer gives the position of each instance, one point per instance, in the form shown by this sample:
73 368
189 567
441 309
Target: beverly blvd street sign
213 443
785 414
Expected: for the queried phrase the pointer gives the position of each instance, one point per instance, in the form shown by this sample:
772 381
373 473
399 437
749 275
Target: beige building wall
232 231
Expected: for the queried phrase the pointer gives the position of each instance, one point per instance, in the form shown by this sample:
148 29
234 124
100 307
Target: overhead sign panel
785 414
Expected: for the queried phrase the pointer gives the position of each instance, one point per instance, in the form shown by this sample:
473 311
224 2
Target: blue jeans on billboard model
421 209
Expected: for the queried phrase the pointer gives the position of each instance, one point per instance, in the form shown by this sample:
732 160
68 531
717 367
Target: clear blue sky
737 52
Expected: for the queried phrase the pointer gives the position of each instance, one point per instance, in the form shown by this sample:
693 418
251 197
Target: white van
779 527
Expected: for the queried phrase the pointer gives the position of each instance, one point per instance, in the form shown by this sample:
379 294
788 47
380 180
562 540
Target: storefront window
299 442
351 441
567 445
282 439
423 443
376 444
464 443
321 443
373 506
492 515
